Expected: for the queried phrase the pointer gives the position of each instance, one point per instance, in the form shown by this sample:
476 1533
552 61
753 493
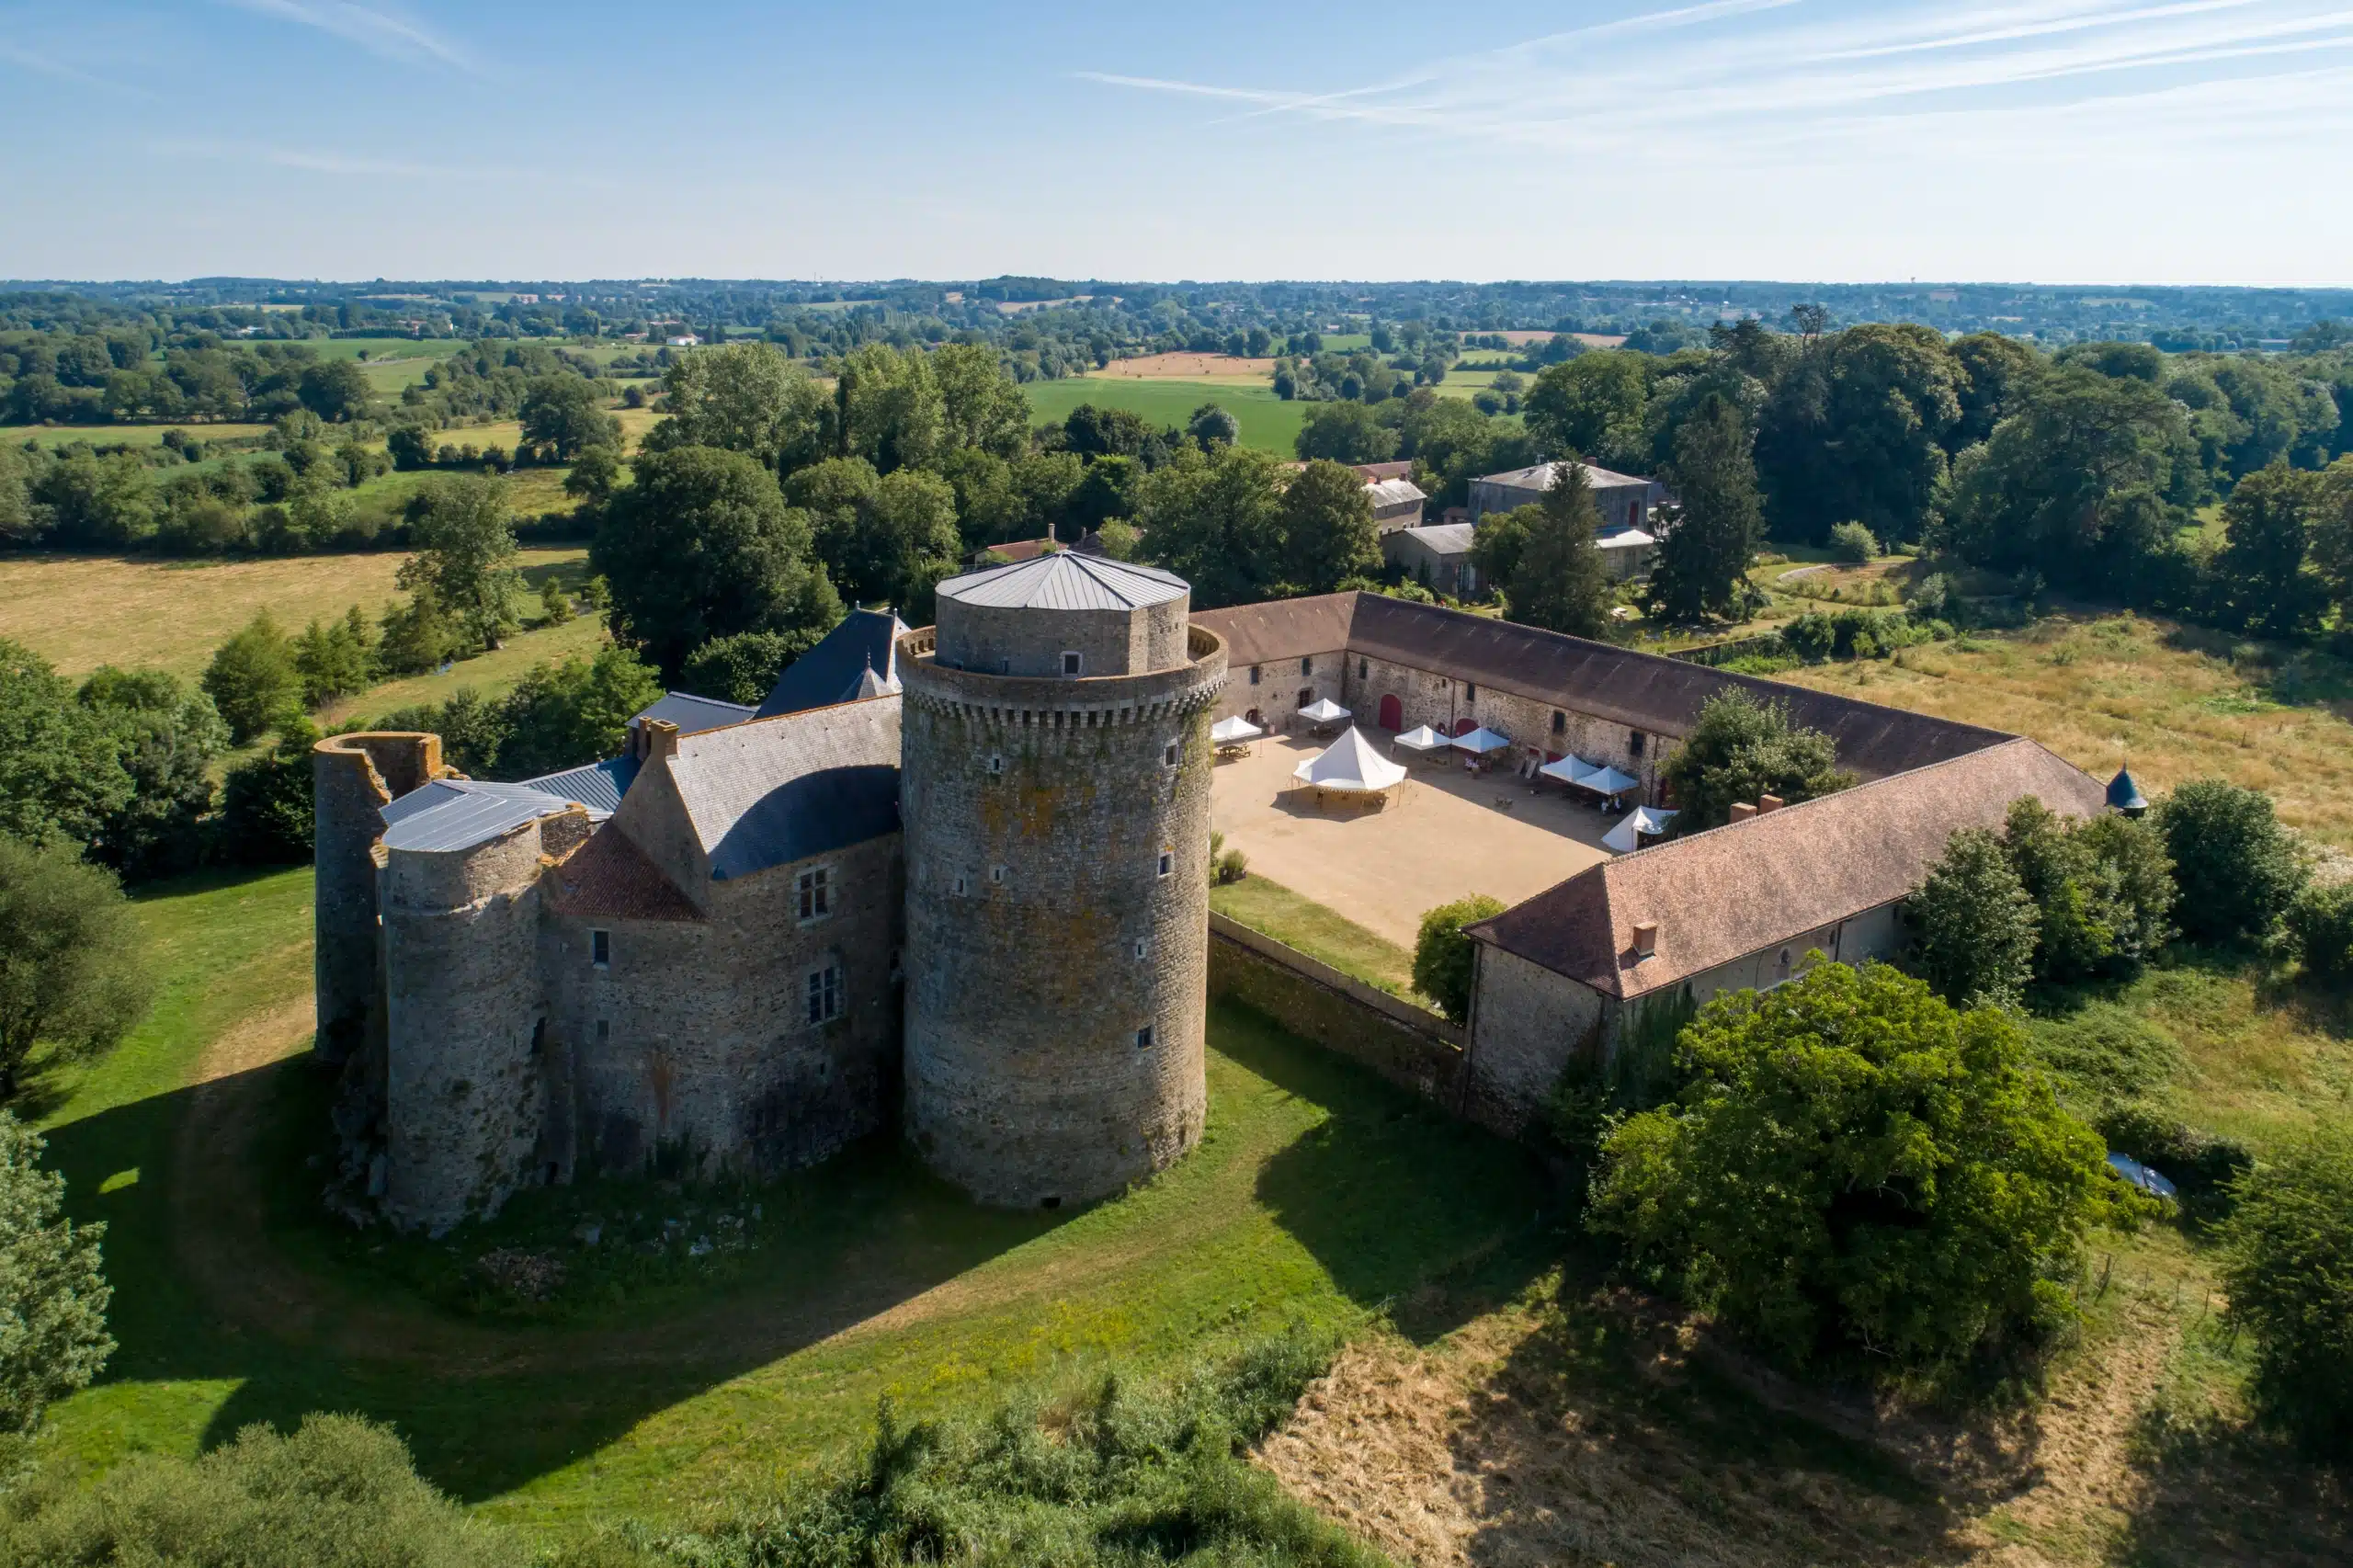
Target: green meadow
1267 422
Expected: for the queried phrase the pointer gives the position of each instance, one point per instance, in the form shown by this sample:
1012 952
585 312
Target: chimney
1645 940
661 739
1742 810
1769 803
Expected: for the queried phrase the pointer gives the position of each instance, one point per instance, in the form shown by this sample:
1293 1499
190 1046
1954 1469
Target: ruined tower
353 778
1055 797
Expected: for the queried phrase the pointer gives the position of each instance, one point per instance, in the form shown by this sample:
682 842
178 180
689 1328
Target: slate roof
1644 691
774 790
1395 493
1751 885
1066 580
1539 477
1441 538
458 813
835 670
693 714
611 878
599 786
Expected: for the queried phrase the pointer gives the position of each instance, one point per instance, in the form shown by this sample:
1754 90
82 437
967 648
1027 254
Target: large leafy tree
1855 1170
1995 370
53 1298
1328 530
981 408
2236 867
1591 407
1443 962
564 714
2103 888
60 770
167 738
701 546
465 556
2268 524
1344 432
566 415
1743 746
1702 564
1975 922
2290 1277
748 398
1215 519
74 974
1856 432
2332 532
1560 582
889 408
336 390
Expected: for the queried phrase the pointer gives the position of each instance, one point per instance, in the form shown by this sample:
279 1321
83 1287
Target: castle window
1469 693
1560 724
1168 754
1254 675
1307 665
1072 664
1142 947
604 1030
1143 1038
600 948
961 886
1167 861
816 887
997 764
1306 696
1364 669
825 993
996 875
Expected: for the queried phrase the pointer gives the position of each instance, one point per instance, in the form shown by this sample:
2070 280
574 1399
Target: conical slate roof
2123 795
1066 580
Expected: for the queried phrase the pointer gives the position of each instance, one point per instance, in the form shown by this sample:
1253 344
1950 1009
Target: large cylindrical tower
1055 801
353 778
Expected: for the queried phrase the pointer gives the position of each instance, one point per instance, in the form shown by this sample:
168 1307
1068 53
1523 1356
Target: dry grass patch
1185 367
124 435
2177 703
80 611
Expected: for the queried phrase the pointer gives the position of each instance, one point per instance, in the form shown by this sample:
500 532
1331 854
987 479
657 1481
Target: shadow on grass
2215 1492
1409 1211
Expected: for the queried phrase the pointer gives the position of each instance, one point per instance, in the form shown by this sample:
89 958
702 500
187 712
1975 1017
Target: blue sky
2142 140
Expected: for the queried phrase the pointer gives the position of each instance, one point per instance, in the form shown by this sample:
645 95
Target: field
2173 702
1185 367
80 611
121 434
1319 1196
1267 422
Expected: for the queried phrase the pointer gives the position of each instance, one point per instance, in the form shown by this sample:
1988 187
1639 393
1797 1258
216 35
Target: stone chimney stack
1645 940
1769 803
661 739
1742 810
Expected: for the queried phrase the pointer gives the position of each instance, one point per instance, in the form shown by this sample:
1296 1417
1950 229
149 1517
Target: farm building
1623 501
1438 557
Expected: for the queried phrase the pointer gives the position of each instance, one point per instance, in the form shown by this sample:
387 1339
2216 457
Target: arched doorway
1254 719
1464 725
1392 712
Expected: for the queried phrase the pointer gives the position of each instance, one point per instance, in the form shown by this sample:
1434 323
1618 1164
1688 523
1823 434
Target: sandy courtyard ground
1441 838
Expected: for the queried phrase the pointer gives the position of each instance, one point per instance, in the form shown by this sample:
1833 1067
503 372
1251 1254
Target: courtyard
1443 834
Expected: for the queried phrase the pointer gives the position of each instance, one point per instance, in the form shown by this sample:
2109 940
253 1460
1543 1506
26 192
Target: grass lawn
80 611
1322 934
121 434
1267 422
2176 702
487 674
635 423
1318 1195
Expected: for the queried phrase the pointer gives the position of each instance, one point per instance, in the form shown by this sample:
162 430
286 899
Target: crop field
635 423
1320 1196
80 611
1267 422
1185 367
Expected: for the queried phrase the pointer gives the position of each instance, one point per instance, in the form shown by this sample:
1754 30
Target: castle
957 878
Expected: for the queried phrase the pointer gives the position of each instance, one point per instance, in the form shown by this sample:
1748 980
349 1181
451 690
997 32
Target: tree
2268 524
701 546
1591 407
1558 582
1856 430
889 408
563 715
1856 1170
21 521
167 739
1852 543
1215 519
596 474
410 447
414 637
2290 1277
2332 529
1344 432
1443 962
747 398
1742 747
1328 529
745 667
1976 924
252 680
336 391
1701 568
981 409
73 972
465 559
565 415
1212 422
335 659
2321 923
53 1298
60 770
2236 867
267 812
1995 371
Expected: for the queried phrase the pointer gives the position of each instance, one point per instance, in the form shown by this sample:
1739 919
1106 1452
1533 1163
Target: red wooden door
1464 726
1392 712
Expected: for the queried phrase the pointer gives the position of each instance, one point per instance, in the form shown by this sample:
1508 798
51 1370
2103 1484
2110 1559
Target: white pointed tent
1349 766
1323 711
1424 739
1482 741
1607 781
1234 732
1568 770
1642 822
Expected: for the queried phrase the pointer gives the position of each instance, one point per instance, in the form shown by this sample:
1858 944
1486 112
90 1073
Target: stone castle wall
353 776
1011 641
1041 933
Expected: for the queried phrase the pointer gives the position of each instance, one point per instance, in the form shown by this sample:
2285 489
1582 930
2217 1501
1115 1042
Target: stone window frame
997 874
997 762
813 888
1254 675
1143 948
1143 1038
1172 754
1168 862
1307 664
825 990
1364 669
1560 722
1074 663
600 948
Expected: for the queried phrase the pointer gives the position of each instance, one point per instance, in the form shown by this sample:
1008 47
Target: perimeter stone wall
1526 1024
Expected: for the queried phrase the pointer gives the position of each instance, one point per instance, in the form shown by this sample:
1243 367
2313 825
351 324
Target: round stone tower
1056 799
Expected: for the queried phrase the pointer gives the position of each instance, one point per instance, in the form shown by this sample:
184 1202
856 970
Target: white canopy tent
1350 766
1607 781
1568 770
1637 824
1423 739
1482 741
1323 711
1234 732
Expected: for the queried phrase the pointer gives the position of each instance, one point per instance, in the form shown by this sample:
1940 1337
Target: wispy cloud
48 66
327 161
374 29
1718 80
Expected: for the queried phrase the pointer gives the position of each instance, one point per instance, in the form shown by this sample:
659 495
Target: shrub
336 659
266 810
2103 889
2237 869
555 605
2103 1053
1857 1168
2201 1164
1975 924
2321 923
1853 542
340 1492
563 715
2290 1276
52 1298
1442 953
252 680
72 963
416 637
745 667
1233 866
1743 747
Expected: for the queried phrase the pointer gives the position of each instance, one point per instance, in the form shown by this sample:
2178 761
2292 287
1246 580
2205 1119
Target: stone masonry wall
1275 694
464 1027
692 1048
1341 1015
353 776
1441 702
1041 934
1525 1023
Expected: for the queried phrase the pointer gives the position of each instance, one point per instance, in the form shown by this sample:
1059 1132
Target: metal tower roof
1066 580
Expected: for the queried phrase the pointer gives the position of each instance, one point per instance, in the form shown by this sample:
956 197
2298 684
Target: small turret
2125 796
